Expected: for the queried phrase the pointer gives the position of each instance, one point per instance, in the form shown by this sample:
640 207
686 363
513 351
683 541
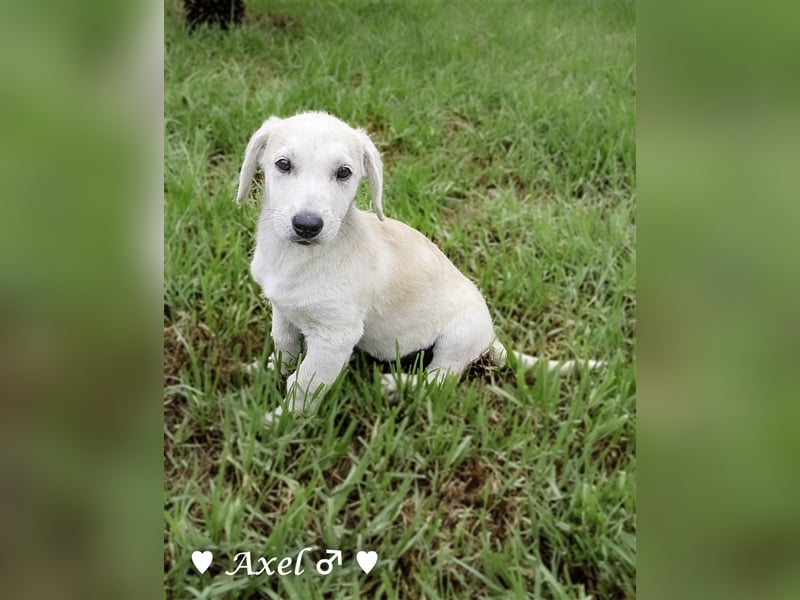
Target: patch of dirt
209 448
404 569
586 574
483 369
284 22
581 572
175 357
174 415
205 447
465 488
455 122
612 455
187 338
450 579
473 485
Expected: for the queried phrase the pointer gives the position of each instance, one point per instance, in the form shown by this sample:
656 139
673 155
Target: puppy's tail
498 355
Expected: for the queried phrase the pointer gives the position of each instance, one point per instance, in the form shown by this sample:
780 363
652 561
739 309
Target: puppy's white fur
363 281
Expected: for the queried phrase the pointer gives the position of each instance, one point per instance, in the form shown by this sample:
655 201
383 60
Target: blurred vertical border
81 275
81 125
718 172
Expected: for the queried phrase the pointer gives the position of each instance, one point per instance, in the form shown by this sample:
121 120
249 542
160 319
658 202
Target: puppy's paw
276 415
272 365
251 368
389 386
273 416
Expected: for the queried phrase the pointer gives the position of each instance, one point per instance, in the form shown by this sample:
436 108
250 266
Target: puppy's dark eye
343 173
284 165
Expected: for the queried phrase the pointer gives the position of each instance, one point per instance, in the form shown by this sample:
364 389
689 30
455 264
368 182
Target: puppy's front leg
324 360
287 341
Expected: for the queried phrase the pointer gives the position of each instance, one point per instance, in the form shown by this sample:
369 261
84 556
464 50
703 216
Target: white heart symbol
202 560
366 560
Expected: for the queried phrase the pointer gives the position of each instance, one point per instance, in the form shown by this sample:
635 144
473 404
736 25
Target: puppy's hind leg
499 355
461 342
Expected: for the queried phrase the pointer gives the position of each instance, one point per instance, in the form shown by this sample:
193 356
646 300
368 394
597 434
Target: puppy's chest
304 296
314 310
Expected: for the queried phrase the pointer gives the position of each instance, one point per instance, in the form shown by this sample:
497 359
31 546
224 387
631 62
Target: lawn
507 132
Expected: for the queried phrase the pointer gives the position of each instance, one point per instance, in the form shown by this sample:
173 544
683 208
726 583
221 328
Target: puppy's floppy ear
373 167
251 155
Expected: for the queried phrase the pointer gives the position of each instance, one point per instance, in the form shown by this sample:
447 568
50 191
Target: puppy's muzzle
307 225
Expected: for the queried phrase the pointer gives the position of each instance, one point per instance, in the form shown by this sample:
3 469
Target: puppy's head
312 164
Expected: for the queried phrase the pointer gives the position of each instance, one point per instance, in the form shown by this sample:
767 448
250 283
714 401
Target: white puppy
341 278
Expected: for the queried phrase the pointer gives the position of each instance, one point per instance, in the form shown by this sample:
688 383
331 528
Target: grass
507 133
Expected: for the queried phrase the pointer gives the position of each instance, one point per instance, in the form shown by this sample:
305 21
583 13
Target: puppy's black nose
307 225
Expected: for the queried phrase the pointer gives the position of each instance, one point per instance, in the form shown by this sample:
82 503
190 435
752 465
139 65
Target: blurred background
717 156
80 290
80 312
